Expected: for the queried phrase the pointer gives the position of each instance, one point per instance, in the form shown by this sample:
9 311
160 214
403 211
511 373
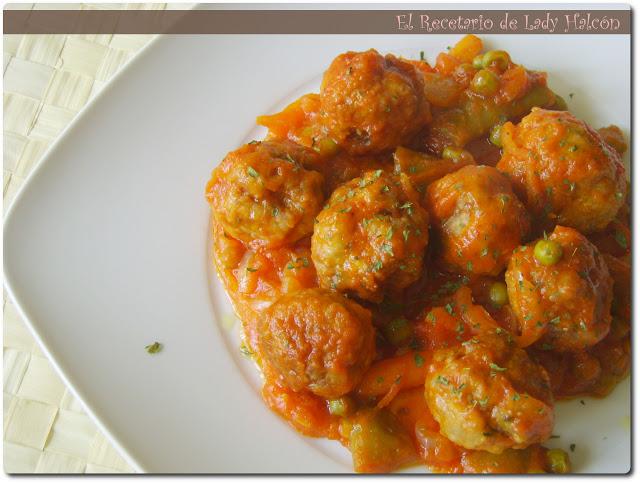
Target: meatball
477 218
344 167
371 103
564 170
563 306
371 236
261 194
487 394
317 340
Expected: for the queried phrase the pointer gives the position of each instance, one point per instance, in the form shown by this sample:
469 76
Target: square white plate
106 247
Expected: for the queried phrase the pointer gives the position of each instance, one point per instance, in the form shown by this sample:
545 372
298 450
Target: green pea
498 294
456 155
342 406
560 104
558 461
494 135
548 252
398 331
327 146
485 83
496 58
477 61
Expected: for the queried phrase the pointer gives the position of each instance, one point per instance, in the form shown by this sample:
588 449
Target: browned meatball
565 171
478 219
564 306
488 395
261 194
371 103
370 237
317 340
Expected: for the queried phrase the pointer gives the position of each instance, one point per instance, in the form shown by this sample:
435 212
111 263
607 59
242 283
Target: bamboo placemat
47 80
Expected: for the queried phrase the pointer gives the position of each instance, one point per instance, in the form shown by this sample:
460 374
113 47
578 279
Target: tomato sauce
380 208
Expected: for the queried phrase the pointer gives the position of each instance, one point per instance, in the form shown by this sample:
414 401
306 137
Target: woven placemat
47 80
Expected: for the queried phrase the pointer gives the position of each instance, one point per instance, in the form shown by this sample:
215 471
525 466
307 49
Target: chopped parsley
407 206
387 248
495 368
252 172
377 266
154 348
570 184
244 350
473 340
620 239
442 380
419 360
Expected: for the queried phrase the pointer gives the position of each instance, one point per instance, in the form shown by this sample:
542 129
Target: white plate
106 247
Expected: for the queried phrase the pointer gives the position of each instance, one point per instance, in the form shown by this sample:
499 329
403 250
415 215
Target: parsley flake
442 380
154 348
495 368
620 239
